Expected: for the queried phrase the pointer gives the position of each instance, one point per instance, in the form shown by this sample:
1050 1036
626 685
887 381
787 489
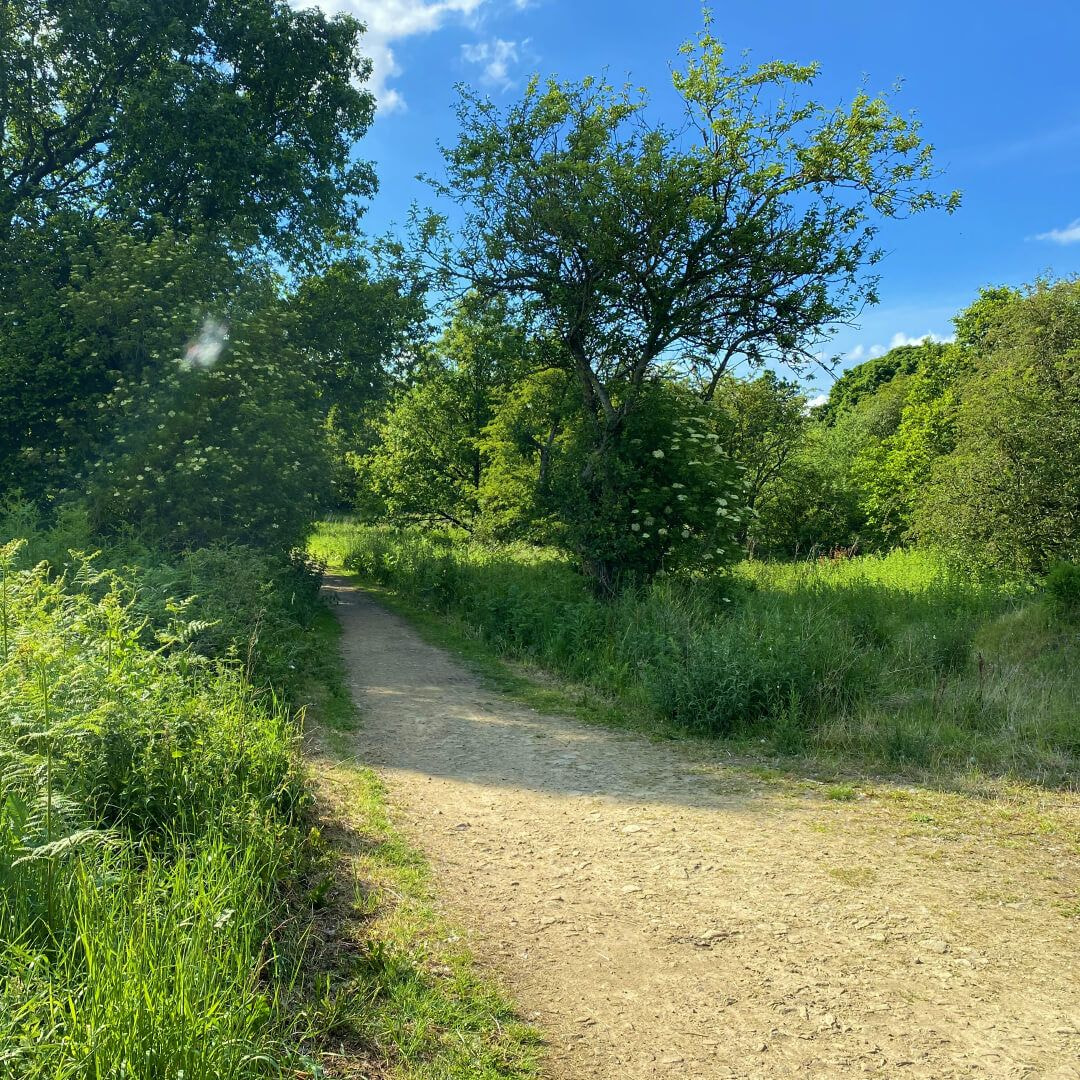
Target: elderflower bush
672 499
218 444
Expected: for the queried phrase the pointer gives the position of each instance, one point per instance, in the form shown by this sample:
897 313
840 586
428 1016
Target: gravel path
662 917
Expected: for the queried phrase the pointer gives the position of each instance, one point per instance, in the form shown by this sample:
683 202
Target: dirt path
662 917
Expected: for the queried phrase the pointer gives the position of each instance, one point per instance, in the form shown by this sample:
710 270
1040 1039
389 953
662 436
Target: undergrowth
150 843
881 662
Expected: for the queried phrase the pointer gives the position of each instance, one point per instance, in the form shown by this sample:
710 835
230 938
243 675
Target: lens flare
204 351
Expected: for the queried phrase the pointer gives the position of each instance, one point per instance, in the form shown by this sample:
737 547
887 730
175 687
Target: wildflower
658 454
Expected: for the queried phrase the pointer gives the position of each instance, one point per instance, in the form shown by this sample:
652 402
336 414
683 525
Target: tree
218 446
813 504
764 423
361 324
871 375
650 254
893 466
154 158
238 118
426 465
523 447
429 463
1007 496
85 306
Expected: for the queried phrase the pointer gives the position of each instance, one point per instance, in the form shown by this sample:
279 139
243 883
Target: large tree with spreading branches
652 250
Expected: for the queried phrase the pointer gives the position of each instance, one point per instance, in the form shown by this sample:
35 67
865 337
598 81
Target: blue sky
995 84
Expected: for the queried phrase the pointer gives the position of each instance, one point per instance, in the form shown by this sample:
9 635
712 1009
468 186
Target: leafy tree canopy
238 117
1007 494
867 378
651 251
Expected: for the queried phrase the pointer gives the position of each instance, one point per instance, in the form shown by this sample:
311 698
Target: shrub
665 498
1063 587
894 661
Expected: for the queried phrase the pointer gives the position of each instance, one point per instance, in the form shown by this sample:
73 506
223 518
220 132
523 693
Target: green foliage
979 324
149 818
80 309
1063 587
1007 496
645 253
763 423
217 446
893 466
521 447
812 504
359 326
237 117
429 463
883 662
667 499
151 161
867 378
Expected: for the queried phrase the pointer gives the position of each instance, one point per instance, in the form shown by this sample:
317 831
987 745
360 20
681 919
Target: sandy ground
664 917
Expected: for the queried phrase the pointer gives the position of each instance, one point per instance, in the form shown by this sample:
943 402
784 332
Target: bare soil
662 916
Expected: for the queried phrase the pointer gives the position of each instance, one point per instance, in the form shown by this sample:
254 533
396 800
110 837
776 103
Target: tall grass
149 827
883 662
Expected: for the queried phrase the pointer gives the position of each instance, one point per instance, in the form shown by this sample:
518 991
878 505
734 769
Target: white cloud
1069 235
902 339
496 58
815 402
862 352
388 21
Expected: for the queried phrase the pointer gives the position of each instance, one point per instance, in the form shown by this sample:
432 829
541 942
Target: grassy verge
874 665
409 998
170 905
152 859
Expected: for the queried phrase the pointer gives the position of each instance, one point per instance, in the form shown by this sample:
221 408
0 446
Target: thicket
885 662
152 842
971 448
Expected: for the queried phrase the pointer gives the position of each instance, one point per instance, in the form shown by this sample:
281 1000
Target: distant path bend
665 918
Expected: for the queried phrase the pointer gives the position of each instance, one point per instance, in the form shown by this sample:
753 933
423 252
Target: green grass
841 793
150 845
878 664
